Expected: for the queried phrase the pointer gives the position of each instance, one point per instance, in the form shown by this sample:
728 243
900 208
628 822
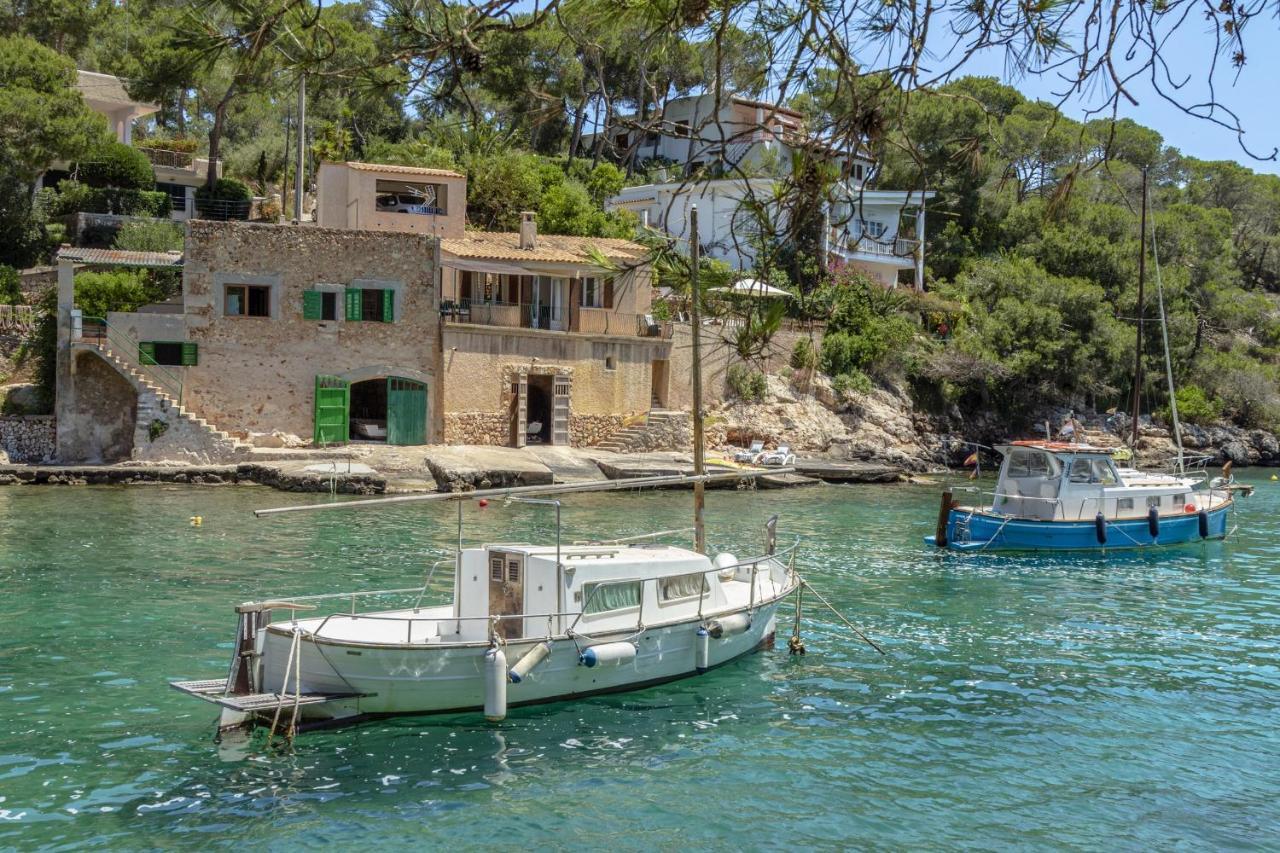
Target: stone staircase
165 430
661 430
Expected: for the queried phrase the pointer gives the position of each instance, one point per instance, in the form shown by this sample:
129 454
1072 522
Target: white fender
495 685
701 649
727 626
608 654
528 661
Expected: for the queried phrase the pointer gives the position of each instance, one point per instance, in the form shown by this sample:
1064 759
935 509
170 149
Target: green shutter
147 352
332 409
312 304
353 303
190 354
388 306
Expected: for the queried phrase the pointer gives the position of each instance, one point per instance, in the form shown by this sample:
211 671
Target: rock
1238 453
264 439
20 398
466 468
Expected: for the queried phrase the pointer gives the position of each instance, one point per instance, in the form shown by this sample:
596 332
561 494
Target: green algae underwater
1127 700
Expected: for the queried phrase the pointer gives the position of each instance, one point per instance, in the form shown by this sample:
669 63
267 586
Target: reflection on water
1065 700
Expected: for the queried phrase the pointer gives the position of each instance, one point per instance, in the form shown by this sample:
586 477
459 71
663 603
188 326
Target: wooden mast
699 450
1137 357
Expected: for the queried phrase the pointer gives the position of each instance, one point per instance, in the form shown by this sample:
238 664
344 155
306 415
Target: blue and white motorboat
1064 496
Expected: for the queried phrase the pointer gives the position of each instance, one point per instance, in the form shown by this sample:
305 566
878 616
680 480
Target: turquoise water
1130 702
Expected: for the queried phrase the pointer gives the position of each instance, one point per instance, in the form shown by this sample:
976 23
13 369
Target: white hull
438 678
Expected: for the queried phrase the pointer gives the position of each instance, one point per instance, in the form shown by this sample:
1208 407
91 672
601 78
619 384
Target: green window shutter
353 303
312 300
388 306
190 353
147 352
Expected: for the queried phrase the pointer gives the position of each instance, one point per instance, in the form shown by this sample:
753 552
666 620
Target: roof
119 257
401 170
765 105
104 88
552 248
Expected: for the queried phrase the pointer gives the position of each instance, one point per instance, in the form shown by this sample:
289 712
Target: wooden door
506 592
406 411
560 411
332 410
520 402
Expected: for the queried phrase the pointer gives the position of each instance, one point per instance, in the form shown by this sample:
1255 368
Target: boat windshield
1093 470
1027 462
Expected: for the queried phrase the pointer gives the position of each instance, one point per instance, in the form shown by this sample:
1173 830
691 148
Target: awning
501 268
755 287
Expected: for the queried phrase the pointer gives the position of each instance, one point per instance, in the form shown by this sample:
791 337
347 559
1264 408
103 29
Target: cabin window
495 569
1124 503
603 597
1081 471
682 586
1031 463
1154 500
1180 499
513 571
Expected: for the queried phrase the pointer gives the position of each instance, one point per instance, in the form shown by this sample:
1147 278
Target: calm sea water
1131 701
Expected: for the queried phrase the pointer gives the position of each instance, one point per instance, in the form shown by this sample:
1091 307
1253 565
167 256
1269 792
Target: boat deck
389 626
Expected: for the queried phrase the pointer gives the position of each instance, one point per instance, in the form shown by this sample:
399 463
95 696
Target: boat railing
1059 506
307 602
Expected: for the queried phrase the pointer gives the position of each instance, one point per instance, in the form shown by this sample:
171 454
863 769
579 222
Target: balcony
899 248
169 159
584 321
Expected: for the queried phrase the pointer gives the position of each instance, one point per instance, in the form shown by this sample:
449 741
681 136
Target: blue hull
980 531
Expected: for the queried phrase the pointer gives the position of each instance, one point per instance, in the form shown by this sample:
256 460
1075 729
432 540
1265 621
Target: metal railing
865 244
222 209
97 330
1057 507
169 158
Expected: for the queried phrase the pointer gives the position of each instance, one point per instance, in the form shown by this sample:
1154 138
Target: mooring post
944 513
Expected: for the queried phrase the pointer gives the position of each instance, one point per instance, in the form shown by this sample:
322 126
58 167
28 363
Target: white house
691 132
862 228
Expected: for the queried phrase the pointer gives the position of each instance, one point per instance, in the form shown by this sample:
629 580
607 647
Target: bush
803 355
226 199
98 293
749 385
156 236
118 165
855 382
1194 407
10 287
75 197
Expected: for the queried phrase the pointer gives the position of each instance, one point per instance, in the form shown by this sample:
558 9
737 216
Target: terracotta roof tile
401 170
120 257
553 248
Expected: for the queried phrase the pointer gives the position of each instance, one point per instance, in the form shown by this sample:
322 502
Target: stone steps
650 435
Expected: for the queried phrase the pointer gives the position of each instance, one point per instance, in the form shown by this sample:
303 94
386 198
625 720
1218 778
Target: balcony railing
168 158
586 321
899 247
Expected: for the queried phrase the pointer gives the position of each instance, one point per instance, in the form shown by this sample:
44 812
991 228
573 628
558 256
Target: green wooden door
333 404
406 411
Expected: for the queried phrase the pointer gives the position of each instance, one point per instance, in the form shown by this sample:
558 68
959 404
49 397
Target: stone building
386 197
323 334
544 343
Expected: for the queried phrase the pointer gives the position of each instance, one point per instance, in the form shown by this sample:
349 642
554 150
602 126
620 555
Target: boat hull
438 678
969 530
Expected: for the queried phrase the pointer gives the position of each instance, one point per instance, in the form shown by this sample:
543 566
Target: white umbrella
755 287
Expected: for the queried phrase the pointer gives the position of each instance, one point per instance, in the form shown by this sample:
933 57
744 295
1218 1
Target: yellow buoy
1274 477
197 520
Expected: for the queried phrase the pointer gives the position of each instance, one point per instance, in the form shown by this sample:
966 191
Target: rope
841 617
795 645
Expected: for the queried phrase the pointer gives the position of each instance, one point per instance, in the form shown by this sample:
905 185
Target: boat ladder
962 533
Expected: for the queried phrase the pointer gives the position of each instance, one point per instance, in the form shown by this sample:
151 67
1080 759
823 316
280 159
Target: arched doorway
368 415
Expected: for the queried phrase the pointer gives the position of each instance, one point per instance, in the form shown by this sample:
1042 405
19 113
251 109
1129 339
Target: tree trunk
215 136
579 119
182 112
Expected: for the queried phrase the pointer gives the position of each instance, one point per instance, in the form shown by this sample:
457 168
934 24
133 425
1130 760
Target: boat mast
1168 359
1137 356
699 451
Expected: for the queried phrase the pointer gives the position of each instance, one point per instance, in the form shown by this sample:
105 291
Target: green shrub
118 165
10 286
98 293
803 355
855 382
749 385
1194 407
155 236
226 199
75 197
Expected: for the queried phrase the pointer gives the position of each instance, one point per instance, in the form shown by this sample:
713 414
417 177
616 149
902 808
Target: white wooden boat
527 623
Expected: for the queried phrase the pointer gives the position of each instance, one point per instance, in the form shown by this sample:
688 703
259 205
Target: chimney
528 231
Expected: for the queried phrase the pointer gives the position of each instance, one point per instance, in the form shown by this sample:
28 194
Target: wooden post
699 492
944 514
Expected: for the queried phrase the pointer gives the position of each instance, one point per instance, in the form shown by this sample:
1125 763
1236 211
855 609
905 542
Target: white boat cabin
1051 481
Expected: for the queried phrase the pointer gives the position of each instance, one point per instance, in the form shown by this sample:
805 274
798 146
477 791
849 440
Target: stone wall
97 412
27 439
590 430
476 428
257 374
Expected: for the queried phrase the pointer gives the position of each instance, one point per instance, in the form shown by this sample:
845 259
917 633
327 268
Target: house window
177 194
410 197
247 300
592 293
610 362
870 227
604 597
857 171
682 127
682 587
620 140
172 353
319 305
370 304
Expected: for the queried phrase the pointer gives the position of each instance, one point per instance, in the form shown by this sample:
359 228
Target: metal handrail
127 349
1060 505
